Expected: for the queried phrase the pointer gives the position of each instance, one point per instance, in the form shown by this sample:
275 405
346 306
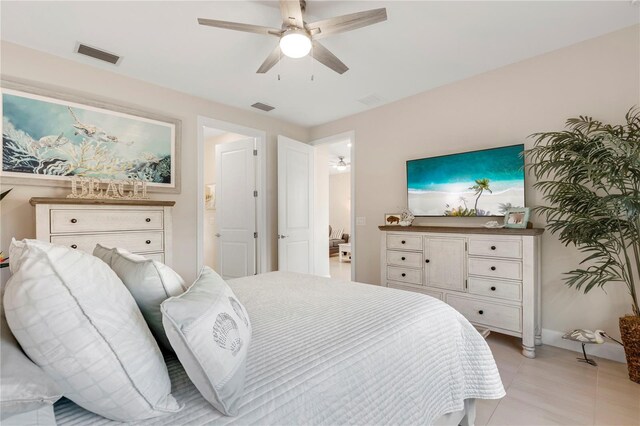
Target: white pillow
150 282
210 332
24 387
75 319
337 234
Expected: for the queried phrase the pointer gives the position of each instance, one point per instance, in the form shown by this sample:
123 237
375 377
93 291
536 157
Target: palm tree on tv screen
480 186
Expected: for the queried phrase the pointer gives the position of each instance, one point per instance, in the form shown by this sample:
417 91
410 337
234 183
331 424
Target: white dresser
491 276
139 226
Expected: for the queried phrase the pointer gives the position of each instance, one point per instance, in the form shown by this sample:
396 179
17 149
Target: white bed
330 352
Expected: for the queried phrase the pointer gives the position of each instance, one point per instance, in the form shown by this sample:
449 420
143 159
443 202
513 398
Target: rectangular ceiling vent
371 100
98 54
263 107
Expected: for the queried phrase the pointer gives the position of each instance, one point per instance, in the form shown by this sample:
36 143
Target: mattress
330 352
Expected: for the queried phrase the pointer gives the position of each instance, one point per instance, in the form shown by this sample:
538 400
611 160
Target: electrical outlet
361 221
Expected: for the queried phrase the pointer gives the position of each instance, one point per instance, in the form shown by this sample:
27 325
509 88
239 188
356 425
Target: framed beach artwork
478 183
49 137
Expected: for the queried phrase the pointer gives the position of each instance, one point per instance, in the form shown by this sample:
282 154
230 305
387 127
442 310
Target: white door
444 262
235 216
295 206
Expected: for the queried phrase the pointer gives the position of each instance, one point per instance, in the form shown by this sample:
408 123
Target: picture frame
392 219
122 143
210 196
517 217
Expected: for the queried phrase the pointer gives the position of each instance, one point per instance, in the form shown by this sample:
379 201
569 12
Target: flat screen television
476 183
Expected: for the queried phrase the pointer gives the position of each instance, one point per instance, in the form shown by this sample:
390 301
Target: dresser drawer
404 242
494 288
495 247
508 269
99 220
135 242
424 290
403 258
487 313
405 275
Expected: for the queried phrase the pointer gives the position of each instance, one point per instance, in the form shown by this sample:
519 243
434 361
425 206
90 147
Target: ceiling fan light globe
341 168
295 44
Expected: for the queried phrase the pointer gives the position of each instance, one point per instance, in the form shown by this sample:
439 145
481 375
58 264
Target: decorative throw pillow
150 282
210 332
336 234
76 320
24 387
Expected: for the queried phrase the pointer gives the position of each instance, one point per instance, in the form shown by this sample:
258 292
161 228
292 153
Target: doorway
231 214
335 181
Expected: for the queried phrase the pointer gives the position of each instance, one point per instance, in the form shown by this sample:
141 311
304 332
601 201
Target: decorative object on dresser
406 217
589 175
89 188
491 276
391 219
516 217
49 137
139 226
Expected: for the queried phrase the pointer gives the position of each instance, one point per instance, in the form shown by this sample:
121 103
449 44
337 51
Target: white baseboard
608 350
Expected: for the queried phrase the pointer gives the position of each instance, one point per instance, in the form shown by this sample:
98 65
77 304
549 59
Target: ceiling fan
299 38
340 165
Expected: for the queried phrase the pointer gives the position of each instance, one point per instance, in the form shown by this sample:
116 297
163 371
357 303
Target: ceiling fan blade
291 13
325 57
341 24
271 60
247 28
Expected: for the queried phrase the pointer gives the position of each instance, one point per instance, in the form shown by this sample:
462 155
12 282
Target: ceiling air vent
263 107
371 100
98 54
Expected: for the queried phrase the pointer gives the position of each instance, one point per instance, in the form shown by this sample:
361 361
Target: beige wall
17 217
209 225
599 77
340 201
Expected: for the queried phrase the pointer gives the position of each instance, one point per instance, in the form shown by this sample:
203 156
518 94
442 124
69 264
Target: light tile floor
339 270
555 389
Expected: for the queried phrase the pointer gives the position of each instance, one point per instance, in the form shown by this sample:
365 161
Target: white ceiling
424 44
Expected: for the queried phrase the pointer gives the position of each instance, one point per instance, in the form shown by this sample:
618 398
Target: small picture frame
210 196
392 219
517 217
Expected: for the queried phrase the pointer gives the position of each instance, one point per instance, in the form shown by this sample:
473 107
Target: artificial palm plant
589 175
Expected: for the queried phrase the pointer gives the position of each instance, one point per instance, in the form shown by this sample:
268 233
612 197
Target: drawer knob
427 261
403 258
481 312
404 275
148 219
493 268
403 242
73 246
493 289
493 247
148 241
74 220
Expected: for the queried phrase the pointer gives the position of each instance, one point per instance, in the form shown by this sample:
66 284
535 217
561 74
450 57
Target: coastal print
54 139
478 183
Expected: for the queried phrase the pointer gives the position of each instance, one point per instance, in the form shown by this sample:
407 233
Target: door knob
493 247
404 275
218 235
282 237
74 246
427 261
403 258
493 289
74 220
481 312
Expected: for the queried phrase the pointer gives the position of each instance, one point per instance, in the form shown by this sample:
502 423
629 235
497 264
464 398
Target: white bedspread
331 352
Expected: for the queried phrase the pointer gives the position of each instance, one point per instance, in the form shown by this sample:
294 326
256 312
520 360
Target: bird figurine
586 337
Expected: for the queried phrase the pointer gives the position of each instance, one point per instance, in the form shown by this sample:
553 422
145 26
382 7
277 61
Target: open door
235 216
295 206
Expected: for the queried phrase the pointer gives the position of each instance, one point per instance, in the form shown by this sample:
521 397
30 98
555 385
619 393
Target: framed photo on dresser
49 137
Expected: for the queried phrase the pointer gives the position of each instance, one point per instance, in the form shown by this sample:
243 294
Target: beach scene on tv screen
478 183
